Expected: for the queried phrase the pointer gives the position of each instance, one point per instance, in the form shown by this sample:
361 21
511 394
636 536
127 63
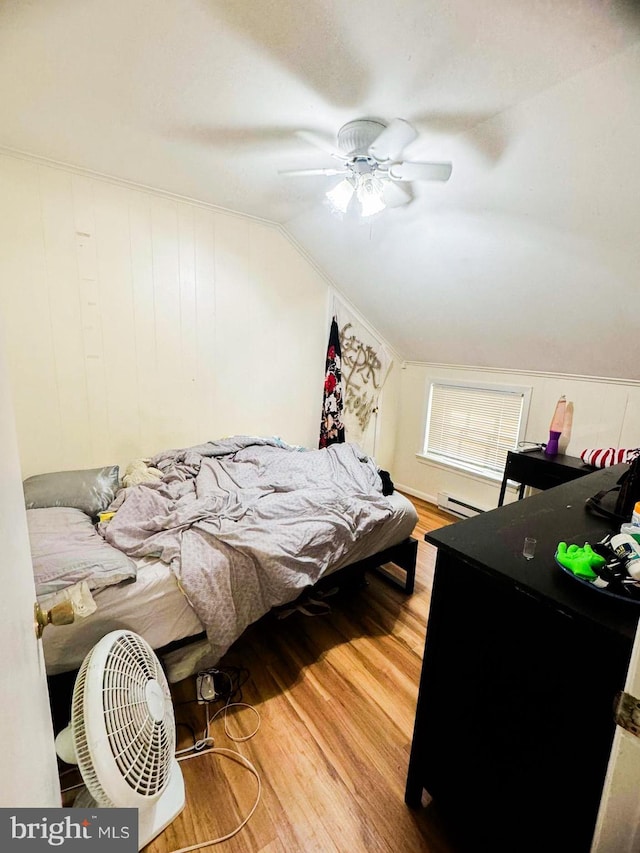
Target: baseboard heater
456 506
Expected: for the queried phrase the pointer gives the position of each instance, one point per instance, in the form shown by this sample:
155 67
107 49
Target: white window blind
473 427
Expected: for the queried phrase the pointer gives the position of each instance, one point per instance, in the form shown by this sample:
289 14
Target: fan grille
137 715
83 752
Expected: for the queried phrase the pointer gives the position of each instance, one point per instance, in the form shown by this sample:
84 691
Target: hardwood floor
336 696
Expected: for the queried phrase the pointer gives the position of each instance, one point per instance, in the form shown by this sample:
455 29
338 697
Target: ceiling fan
373 172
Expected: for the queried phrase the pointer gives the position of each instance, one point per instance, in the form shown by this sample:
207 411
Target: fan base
158 816
155 817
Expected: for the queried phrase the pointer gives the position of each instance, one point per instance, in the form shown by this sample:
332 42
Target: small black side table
540 471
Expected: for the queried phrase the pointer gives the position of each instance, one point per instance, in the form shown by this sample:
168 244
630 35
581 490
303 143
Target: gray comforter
246 523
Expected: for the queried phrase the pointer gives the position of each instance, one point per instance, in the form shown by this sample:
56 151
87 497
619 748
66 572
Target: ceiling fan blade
420 171
392 140
327 172
396 194
322 143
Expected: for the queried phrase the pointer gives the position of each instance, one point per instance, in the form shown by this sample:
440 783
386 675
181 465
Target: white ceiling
527 258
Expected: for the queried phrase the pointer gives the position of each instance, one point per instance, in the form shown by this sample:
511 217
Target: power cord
240 759
206 692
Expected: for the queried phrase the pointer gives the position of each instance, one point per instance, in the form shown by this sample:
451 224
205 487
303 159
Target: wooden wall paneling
166 292
206 415
113 242
592 425
293 336
283 341
89 297
269 345
66 315
237 373
26 316
136 322
148 382
629 435
188 322
302 314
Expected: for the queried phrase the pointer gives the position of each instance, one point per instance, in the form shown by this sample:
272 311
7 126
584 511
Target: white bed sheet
155 607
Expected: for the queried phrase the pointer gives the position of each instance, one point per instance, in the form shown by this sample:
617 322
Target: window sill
480 476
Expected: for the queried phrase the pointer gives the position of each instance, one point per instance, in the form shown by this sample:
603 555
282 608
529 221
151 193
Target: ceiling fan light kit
369 193
372 170
340 196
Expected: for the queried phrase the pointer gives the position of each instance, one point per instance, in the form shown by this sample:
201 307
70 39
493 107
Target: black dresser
522 663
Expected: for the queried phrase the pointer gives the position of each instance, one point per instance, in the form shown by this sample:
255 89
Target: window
472 426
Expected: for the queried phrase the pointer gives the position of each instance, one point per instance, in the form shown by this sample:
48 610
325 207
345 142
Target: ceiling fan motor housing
355 137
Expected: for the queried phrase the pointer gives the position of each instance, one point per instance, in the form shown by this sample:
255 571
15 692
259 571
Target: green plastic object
580 561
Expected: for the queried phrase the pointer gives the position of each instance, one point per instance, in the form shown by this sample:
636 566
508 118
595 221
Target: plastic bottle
628 550
631 530
635 518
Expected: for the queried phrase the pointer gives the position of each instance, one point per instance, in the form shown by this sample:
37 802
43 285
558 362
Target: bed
216 536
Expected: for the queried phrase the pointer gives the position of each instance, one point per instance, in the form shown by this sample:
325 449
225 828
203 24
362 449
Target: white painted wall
26 729
606 414
135 322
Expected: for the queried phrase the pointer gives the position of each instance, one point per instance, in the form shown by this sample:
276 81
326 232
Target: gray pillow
66 548
90 490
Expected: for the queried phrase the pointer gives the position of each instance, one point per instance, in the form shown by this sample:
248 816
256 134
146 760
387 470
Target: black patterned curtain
331 426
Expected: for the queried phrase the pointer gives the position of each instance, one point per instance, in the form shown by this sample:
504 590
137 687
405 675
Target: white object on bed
153 606
140 471
79 595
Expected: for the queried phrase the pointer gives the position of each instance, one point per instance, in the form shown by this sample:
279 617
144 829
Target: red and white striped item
601 457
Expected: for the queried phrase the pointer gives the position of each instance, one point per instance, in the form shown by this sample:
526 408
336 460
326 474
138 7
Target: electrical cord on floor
240 759
205 741
206 744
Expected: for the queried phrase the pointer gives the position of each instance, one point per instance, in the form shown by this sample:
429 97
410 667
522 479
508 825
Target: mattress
155 607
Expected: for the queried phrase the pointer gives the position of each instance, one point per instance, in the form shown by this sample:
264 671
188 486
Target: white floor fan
122 734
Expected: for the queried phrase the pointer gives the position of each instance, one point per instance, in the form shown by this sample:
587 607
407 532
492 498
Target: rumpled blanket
247 523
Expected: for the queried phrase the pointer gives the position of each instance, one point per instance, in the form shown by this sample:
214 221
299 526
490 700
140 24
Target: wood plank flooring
336 696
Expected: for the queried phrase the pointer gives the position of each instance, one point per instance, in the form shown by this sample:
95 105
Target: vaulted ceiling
527 258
